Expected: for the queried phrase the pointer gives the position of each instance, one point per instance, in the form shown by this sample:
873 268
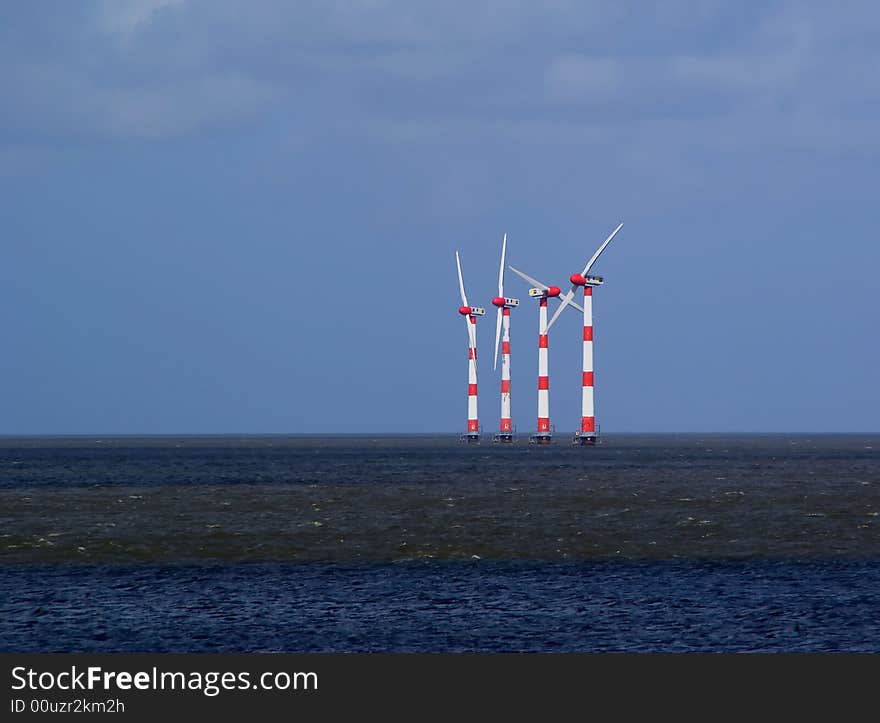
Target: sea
422 543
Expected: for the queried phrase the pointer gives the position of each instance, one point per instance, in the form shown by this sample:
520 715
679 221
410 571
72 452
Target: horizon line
117 435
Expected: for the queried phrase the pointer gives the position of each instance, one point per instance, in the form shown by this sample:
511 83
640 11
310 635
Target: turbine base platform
503 438
585 439
541 438
469 437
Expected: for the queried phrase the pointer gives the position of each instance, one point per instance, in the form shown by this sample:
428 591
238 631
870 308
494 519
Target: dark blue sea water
445 607
643 544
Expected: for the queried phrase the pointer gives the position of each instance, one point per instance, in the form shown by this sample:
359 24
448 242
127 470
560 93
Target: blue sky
226 216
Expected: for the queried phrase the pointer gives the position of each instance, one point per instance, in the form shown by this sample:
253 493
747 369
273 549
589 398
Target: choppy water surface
653 543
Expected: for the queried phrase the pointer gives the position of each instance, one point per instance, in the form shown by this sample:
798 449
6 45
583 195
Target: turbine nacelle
581 280
471 311
548 292
504 302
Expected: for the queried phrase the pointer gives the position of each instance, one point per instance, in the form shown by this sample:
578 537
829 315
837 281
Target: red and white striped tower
543 435
470 314
506 426
588 433
473 422
502 333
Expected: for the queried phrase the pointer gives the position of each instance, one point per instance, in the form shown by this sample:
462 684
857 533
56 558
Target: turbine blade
501 269
600 250
497 335
564 301
464 301
567 299
572 304
534 282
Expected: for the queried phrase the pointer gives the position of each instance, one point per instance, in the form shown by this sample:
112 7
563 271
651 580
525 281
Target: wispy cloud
162 110
577 77
54 99
773 57
421 70
124 17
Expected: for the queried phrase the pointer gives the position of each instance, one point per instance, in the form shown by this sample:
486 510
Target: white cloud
162 110
54 98
774 57
737 72
577 77
423 72
124 17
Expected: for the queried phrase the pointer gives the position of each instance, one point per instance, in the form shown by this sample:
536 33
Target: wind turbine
470 314
542 292
502 324
587 435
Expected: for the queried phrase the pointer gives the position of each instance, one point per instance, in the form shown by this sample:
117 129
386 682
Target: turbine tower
502 333
588 434
542 292
470 314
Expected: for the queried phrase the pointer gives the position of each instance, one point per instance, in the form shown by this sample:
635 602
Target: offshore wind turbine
470 314
502 333
588 434
542 292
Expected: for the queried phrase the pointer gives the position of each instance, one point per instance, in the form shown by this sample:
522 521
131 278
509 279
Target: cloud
162 110
576 77
124 17
423 72
773 57
53 99
739 73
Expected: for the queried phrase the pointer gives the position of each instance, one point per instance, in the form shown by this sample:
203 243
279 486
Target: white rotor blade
599 251
544 287
538 285
497 335
572 304
464 301
564 300
501 294
472 344
534 282
568 297
501 269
